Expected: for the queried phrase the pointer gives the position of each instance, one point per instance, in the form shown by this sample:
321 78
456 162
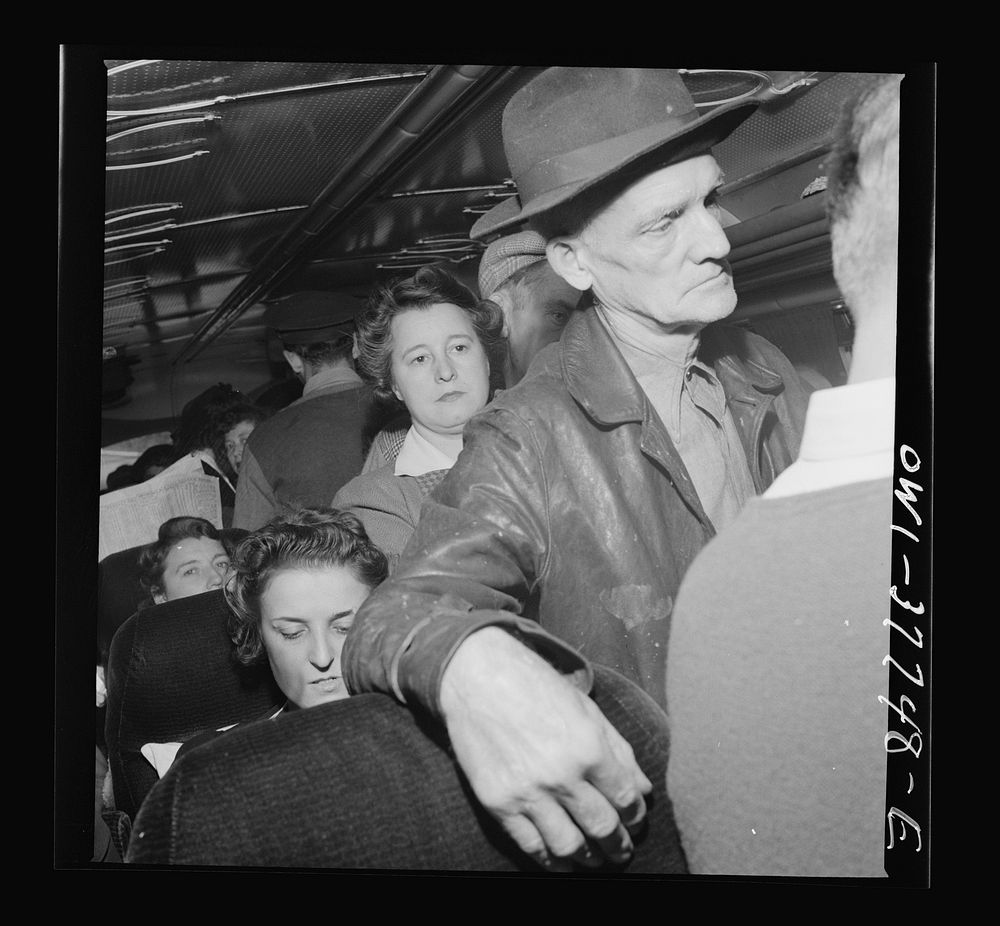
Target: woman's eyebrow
410 350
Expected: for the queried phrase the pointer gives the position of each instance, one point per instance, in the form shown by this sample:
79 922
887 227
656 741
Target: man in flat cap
583 494
537 303
303 454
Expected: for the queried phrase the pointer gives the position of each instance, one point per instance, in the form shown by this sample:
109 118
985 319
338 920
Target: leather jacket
570 512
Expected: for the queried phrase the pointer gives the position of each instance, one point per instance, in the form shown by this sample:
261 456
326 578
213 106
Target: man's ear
294 361
564 256
355 350
159 598
503 299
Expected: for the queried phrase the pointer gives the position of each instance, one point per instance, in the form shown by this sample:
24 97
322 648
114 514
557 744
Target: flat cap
505 256
312 316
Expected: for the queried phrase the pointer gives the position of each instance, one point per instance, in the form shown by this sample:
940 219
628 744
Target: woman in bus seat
189 556
428 343
294 587
230 433
196 436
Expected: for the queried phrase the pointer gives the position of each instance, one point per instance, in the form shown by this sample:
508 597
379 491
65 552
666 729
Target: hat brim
300 337
503 214
713 128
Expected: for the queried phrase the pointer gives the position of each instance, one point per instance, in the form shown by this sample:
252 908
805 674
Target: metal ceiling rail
350 82
233 217
508 188
427 111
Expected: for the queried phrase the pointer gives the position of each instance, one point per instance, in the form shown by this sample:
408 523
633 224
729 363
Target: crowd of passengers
493 512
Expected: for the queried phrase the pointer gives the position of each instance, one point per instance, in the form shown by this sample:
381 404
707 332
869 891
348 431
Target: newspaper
133 515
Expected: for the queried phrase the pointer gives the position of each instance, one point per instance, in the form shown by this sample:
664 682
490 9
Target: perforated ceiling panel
465 169
785 127
210 162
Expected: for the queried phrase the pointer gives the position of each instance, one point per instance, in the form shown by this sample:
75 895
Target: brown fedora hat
572 128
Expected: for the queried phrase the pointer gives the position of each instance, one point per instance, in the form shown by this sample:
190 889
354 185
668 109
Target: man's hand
540 755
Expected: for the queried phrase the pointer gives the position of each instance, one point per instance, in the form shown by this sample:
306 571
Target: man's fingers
620 779
540 755
601 821
530 840
634 816
575 829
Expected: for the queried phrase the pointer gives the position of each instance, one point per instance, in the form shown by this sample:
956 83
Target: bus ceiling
231 183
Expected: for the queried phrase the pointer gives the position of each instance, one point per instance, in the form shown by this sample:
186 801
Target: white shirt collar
418 456
848 437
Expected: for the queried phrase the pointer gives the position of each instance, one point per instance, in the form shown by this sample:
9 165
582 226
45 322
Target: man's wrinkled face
658 250
541 304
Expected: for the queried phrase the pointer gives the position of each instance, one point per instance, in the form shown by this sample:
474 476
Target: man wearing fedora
583 494
303 454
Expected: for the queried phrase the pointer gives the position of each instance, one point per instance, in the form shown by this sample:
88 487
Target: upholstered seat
358 784
172 675
120 592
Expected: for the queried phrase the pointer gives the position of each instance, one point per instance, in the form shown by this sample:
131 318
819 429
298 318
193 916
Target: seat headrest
172 674
119 594
120 591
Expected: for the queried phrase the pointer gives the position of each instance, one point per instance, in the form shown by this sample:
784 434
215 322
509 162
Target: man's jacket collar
597 376
595 372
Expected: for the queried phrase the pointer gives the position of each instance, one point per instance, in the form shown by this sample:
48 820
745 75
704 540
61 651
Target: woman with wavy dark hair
293 588
196 436
296 583
429 344
229 434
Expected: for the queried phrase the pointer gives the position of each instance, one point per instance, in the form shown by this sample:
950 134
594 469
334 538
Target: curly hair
198 417
428 286
224 422
305 538
152 560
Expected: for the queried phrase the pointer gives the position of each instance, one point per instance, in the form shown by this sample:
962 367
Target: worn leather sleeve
478 552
